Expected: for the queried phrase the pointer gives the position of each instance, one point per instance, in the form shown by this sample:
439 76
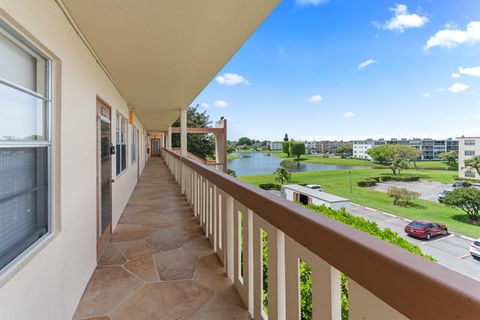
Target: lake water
253 163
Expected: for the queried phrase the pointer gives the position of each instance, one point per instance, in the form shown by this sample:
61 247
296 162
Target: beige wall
48 283
462 157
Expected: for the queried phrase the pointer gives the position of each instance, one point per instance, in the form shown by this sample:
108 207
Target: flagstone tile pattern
158 264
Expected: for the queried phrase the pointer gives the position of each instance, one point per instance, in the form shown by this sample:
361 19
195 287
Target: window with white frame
121 143
134 144
25 145
470 142
469 153
469 174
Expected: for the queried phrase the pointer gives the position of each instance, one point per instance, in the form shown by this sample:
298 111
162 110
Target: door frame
159 147
102 240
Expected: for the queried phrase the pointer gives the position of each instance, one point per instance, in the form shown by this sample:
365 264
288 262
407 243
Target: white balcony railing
385 282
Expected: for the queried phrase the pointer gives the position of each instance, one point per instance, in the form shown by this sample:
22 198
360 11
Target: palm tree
282 175
473 163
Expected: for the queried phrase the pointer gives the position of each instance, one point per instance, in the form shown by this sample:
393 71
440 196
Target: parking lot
428 190
450 251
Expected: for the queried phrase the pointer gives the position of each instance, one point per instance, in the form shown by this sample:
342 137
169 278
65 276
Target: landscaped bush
363 225
402 196
400 178
270 186
366 183
457 178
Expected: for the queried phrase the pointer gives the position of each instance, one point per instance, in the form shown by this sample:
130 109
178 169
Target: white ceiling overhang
162 53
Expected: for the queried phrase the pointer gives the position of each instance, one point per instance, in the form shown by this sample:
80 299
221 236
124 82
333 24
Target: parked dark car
425 229
461 184
475 249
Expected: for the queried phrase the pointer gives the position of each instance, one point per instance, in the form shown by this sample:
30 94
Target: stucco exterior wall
51 280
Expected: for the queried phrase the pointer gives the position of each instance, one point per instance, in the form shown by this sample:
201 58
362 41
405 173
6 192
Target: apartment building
310 146
468 147
329 146
276 145
430 149
360 148
92 227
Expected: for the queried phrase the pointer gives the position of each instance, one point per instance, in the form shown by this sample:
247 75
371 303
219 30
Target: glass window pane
21 65
23 116
23 199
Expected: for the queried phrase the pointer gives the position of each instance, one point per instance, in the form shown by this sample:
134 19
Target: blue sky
352 69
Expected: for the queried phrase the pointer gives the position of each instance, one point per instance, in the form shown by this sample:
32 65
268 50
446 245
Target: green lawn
430 165
232 156
337 182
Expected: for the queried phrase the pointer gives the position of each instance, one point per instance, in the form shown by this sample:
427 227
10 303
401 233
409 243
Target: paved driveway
450 251
428 190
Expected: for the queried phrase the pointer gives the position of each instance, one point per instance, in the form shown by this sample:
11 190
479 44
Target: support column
183 132
221 144
169 138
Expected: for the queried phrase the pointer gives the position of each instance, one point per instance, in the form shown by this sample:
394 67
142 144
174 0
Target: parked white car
475 248
442 194
314 187
476 185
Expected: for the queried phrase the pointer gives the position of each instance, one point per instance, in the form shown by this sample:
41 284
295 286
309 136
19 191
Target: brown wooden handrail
409 283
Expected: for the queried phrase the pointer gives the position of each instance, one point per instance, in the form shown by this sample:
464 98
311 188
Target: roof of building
314 193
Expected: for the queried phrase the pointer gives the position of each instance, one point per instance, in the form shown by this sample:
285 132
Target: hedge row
372 181
270 186
457 178
400 178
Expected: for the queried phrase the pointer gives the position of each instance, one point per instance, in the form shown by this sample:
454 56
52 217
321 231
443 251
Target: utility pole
350 175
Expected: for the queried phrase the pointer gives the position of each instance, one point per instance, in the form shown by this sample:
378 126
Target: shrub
457 178
363 225
270 186
467 199
402 196
366 183
400 178
232 173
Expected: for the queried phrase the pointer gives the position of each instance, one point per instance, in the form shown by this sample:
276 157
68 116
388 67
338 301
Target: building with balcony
468 147
101 219
329 146
276 145
430 149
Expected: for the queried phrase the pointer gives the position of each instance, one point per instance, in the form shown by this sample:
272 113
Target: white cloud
311 2
349 114
220 104
426 94
315 98
458 87
455 75
402 19
204 105
366 63
231 79
451 37
473 71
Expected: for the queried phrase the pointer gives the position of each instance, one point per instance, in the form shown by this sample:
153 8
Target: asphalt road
428 190
450 251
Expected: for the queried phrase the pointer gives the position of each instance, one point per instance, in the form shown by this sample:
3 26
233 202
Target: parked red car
425 229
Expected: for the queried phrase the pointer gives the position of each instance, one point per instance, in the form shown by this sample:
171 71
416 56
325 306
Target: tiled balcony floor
158 264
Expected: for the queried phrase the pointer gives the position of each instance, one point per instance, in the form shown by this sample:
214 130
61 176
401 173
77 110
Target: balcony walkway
158 264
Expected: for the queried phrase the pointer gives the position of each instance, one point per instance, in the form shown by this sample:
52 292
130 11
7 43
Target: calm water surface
253 163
